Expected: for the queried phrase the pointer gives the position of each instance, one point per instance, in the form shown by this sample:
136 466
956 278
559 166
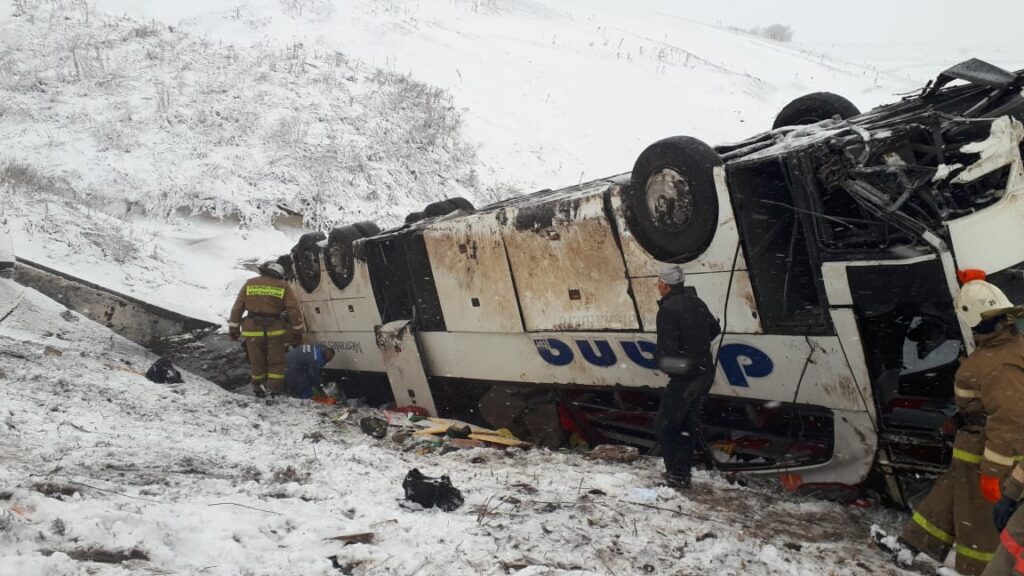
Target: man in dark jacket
685 331
302 377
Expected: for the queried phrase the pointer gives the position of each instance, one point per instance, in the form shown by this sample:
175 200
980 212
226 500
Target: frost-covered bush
777 32
320 9
177 125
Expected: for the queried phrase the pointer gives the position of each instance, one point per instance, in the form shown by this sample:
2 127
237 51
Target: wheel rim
670 199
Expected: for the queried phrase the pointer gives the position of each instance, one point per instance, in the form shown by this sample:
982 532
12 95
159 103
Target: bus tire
306 260
672 201
339 256
367 229
813 108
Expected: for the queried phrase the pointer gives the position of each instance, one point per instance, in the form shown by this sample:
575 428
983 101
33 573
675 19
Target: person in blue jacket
302 376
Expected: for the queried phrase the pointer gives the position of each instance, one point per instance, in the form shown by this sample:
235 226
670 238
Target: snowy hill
104 472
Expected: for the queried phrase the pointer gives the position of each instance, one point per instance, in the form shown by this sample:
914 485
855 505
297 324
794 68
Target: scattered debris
360 538
51 351
456 431
313 437
464 443
106 556
706 536
431 492
163 372
290 474
55 490
373 426
615 453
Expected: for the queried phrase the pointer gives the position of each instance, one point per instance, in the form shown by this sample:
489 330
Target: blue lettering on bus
554 352
740 361
641 352
604 356
597 352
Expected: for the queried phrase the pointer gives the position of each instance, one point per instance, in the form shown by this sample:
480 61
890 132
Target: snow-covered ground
104 472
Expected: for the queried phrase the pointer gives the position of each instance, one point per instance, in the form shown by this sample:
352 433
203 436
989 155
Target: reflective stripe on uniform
968 552
932 529
966 393
263 290
1014 548
274 376
232 324
965 456
1018 473
258 377
260 333
993 456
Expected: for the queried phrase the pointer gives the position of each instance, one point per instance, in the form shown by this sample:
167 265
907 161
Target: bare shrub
19 178
318 9
776 32
117 243
117 135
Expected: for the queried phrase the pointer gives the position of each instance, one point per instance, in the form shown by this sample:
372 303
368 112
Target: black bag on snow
163 372
430 492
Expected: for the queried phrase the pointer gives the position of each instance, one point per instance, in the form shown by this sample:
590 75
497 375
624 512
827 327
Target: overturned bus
828 248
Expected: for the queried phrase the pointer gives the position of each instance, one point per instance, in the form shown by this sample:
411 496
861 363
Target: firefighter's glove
234 334
990 488
296 339
1002 511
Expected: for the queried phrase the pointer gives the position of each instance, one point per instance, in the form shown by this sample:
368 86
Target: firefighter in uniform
989 391
270 310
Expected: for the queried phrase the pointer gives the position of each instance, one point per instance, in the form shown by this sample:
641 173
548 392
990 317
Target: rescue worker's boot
679 482
903 554
258 390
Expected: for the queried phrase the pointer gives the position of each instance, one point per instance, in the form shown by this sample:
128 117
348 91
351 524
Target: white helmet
978 300
274 268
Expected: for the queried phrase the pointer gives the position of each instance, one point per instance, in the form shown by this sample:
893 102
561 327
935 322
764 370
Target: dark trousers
678 422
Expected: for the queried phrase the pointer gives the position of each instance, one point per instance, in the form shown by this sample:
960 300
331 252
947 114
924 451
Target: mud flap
404 364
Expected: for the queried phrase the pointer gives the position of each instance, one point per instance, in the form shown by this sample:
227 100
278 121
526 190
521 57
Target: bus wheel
672 203
447 206
367 229
339 257
306 260
814 108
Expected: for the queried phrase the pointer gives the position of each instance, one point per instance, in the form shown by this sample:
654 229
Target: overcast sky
872 21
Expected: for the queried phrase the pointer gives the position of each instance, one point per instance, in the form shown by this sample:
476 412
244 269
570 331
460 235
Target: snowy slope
557 90
98 463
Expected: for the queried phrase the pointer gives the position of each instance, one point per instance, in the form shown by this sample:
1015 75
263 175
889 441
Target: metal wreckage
828 248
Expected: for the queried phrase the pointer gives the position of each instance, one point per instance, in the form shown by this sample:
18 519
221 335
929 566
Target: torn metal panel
134 319
401 355
1001 148
991 240
567 267
471 272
